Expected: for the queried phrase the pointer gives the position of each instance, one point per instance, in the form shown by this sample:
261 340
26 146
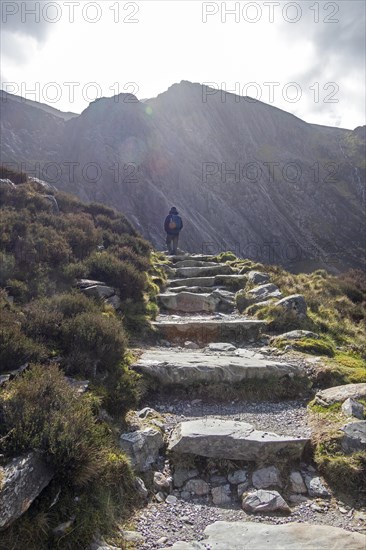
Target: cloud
338 38
22 21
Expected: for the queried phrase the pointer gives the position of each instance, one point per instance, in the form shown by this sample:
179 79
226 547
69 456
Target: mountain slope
245 176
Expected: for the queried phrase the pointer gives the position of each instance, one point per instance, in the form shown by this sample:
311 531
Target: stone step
195 289
189 302
232 440
195 263
192 281
204 330
240 535
228 281
197 302
209 271
193 257
190 367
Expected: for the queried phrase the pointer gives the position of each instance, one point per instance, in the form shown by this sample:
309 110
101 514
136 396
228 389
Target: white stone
221 495
142 446
297 483
266 477
351 407
237 477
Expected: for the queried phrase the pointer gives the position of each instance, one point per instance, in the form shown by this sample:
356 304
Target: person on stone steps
172 226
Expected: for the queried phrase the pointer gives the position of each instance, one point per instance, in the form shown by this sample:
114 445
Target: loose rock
351 407
264 501
266 477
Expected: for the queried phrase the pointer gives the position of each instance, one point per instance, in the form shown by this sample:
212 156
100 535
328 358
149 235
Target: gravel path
168 523
283 418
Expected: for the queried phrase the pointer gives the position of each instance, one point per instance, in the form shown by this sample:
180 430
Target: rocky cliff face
245 176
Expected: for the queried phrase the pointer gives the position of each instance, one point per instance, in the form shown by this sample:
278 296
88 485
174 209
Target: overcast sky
305 57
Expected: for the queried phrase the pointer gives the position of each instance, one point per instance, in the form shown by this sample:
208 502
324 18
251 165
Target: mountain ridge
246 176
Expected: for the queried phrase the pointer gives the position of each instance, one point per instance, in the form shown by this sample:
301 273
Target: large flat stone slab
192 281
195 263
201 331
206 271
216 438
338 394
243 535
195 289
194 257
188 302
173 367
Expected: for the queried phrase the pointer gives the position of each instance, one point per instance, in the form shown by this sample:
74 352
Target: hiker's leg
175 243
168 243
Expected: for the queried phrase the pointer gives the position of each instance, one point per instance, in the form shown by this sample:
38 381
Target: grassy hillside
48 241
336 311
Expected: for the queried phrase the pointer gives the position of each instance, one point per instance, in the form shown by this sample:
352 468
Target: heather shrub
15 347
121 275
41 411
92 344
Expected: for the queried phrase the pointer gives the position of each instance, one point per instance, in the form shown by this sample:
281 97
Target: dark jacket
166 224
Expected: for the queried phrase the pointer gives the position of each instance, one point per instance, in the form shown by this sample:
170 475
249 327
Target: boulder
225 300
80 386
297 335
297 483
114 301
142 447
85 283
315 486
161 482
241 488
351 407
264 501
216 438
99 291
339 394
354 438
264 292
22 480
182 475
294 304
238 477
240 535
221 495
141 488
198 487
266 477
257 277
191 345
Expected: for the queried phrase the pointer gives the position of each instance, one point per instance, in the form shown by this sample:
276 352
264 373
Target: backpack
174 222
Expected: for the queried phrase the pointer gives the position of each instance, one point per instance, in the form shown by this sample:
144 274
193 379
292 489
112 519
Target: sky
305 57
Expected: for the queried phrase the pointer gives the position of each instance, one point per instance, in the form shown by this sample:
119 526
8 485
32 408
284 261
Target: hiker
172 226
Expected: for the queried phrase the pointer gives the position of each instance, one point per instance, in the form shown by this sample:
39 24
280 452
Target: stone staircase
203 289
211 458
203 347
